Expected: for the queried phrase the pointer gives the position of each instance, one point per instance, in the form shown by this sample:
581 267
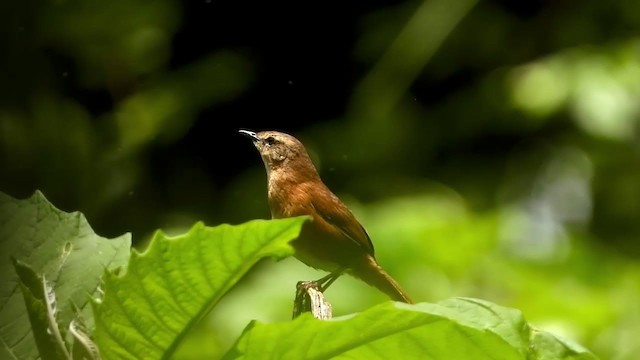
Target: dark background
522 117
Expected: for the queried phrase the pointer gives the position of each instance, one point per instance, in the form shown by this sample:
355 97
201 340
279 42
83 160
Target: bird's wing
334 212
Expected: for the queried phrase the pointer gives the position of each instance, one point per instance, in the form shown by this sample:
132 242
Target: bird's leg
326 281
310 297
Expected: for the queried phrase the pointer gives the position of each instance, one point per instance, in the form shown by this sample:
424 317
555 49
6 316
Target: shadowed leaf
63 248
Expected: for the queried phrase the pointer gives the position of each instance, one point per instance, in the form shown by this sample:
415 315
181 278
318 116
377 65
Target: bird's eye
270 140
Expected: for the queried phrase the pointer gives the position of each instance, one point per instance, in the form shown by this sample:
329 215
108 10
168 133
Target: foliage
146 312
57 246
454 329
147 308
40 302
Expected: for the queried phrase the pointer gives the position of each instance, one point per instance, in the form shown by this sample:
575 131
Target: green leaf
63 248
547 346
458 328
166 290
41 308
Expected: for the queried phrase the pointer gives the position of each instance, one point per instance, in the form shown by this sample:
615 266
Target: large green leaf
146 311
458 328
62 247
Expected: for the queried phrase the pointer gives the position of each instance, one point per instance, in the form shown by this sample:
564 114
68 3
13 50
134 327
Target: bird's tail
372 273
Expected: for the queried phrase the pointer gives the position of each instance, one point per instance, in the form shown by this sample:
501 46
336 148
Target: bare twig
309 297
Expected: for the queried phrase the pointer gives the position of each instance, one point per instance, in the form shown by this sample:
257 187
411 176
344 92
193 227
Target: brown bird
334 240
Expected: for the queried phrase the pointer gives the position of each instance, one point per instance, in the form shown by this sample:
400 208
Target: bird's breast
286 204
289 199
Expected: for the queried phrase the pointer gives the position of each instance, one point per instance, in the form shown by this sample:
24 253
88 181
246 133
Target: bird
334 240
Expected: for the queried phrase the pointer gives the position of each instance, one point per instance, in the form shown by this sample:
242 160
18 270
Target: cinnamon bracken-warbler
334 240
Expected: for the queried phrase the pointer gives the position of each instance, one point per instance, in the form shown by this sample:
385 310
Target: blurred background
491 149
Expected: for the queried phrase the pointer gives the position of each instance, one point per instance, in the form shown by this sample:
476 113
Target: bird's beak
250 134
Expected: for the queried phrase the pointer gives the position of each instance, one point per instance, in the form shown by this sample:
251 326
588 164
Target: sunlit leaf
459 328
167 289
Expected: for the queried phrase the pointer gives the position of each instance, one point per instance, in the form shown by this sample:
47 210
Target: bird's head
280 151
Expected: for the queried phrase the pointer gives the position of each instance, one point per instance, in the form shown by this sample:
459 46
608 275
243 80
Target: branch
309 297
